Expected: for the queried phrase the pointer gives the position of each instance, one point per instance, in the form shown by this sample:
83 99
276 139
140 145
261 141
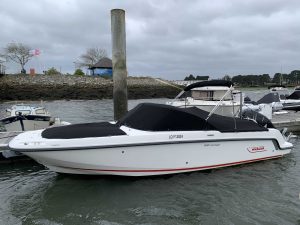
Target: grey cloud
168 39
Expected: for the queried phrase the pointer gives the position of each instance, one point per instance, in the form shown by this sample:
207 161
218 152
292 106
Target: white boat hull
171 141
145 160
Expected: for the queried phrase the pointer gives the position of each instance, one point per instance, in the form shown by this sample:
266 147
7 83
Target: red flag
35 52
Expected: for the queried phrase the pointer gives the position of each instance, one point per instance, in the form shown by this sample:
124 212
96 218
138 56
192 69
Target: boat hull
294 107
145 160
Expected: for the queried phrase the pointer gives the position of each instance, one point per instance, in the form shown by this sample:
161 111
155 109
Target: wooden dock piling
119 62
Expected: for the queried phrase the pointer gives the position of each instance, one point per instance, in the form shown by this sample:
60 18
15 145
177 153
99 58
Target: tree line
292 79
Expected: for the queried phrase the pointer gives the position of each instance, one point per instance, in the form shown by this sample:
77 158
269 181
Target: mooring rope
167 83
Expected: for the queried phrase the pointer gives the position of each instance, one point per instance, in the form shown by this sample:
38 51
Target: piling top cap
117 10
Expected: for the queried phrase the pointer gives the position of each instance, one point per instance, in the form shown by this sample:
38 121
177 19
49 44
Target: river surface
259 193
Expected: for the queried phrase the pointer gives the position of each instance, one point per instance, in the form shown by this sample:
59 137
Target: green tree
263 79
294 76
18 53
190 77
52 71
226 77
277 78
79 72
238 79
281 78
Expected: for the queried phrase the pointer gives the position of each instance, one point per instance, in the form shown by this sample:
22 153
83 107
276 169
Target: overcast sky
166 39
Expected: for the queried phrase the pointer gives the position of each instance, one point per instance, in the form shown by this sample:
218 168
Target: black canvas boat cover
12 119
155 117
84 130
209 83
269 98
159 117
247 100
294 95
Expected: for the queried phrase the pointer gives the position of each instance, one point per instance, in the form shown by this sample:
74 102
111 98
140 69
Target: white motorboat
207 94
267 105
153 139
23 117
290 101
20 118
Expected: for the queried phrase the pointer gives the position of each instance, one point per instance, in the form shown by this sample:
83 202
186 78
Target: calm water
259 193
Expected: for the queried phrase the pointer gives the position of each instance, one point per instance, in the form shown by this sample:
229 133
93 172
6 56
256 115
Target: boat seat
85 130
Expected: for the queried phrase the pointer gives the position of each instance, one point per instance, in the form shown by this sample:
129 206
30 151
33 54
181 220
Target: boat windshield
283 92
205 95
23 112
40 111
210 95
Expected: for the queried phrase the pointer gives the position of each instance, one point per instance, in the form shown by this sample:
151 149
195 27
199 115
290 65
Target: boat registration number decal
257 149
175 136
211 145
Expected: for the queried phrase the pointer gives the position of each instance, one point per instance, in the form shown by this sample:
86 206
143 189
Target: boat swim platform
5 138
287 119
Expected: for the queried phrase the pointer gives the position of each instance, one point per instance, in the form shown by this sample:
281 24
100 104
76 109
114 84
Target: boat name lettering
211 144
175 136
256 149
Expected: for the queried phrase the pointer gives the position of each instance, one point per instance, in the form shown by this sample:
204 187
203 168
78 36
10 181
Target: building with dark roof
102 68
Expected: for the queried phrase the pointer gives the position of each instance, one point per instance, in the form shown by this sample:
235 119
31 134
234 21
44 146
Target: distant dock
289 120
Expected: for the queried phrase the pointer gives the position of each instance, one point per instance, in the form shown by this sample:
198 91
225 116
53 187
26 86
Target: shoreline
69 87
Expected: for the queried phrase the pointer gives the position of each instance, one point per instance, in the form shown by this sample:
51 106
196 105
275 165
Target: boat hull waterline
158 159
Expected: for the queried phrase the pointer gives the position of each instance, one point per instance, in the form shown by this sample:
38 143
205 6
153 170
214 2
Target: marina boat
267 105
290 101
23 117
153 139
20 118
207 94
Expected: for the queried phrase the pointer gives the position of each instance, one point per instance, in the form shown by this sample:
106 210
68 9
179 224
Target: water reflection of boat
152 139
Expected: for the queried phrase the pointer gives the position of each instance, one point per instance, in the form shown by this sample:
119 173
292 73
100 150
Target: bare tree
18 53
92 56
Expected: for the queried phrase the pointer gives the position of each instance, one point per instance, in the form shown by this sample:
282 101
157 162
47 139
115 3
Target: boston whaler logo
256 149
175 136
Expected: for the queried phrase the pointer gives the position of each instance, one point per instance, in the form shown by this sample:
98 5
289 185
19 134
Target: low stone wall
25 87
